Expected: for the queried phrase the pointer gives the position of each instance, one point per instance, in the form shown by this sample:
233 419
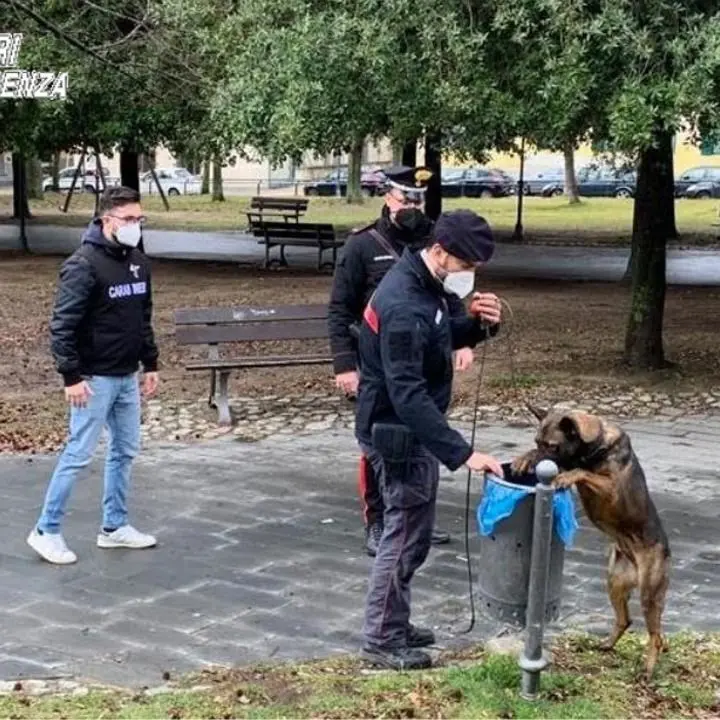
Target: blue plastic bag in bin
499 502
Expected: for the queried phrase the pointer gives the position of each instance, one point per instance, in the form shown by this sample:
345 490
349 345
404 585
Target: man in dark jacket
406 343
368 255
100 332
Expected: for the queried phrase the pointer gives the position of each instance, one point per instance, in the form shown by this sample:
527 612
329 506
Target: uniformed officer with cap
369 253
406 342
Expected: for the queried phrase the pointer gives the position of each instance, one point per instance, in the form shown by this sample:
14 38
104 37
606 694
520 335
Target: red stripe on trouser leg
363 472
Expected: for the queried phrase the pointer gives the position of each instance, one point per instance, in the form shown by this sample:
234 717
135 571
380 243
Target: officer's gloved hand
484 463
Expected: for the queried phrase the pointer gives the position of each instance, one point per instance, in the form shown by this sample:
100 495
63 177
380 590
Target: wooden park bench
262 208
283 234
220 326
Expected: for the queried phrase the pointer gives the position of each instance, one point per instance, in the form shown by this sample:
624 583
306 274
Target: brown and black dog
597 458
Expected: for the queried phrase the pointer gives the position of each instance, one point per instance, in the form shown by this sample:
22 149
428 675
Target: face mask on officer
125 227
406 212
457 277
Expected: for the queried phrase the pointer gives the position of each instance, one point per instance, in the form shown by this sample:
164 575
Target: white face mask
461 283
129 235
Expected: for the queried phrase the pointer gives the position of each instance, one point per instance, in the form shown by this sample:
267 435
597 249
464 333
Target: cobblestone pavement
256 418
260 555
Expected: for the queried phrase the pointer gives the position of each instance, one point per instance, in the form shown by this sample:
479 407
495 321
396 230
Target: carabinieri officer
406 344
369 253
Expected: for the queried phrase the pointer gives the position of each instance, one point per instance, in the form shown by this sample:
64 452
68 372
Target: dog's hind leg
622 578
654 570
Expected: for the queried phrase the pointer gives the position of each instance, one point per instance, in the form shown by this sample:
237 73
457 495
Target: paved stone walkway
260 556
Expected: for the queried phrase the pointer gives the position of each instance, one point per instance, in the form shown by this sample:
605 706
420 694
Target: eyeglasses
129 219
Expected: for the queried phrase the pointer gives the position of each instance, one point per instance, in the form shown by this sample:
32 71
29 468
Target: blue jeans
115 403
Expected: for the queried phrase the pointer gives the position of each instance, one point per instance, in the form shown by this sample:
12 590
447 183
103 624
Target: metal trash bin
504 560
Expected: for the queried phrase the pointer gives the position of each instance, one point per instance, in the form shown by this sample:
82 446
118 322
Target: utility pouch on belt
393 442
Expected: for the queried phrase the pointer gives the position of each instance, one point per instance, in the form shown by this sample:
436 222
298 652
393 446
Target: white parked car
174 181
84 183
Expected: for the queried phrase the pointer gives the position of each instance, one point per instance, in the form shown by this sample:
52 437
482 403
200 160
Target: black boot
439 537
419 637
397 658
373 533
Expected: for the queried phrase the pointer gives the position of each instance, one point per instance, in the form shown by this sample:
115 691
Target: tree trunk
409 153
644 334
217 184
205 188
397 153
21 210
354 189
20 203
571 186
433 162
34 175
55 170
129 170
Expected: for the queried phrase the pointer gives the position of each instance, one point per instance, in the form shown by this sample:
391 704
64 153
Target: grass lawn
581 683
607 220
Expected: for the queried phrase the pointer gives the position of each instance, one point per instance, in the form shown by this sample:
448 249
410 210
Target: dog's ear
587 428
539 413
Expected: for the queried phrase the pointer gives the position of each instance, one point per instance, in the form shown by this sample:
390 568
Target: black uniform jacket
102 316
406 341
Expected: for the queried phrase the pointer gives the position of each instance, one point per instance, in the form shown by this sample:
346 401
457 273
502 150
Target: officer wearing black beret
369 253
407 338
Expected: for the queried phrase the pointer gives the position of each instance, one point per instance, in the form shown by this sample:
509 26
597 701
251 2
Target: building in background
247 173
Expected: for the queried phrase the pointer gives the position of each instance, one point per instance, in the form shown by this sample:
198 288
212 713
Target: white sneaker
51 547
125 537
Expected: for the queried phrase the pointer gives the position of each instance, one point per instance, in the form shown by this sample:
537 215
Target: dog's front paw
564 480
524 464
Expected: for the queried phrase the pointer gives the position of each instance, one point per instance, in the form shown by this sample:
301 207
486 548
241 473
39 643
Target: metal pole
533 661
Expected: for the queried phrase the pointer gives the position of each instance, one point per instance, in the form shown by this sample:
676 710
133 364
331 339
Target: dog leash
478 388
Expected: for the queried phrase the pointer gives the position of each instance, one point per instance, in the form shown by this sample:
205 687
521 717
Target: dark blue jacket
102 316
406 343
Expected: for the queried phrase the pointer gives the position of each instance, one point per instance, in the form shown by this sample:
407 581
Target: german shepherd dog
597 458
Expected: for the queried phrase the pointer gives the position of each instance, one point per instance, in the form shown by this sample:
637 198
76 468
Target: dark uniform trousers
409 496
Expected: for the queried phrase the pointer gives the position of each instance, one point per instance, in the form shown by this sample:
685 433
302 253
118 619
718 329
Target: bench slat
301 242
255 361
263 203
247 332
249 313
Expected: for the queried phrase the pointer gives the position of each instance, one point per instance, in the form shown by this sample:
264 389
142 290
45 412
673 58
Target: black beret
465 235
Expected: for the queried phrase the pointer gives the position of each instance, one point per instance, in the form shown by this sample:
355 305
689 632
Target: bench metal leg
222 401
213 354
283 261
213 388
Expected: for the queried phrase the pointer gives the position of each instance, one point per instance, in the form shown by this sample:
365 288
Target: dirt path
567 339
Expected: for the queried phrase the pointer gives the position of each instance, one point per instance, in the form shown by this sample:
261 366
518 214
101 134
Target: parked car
704 190
534 182
596 181
476 182
700 179
173 181
84 183
371 182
